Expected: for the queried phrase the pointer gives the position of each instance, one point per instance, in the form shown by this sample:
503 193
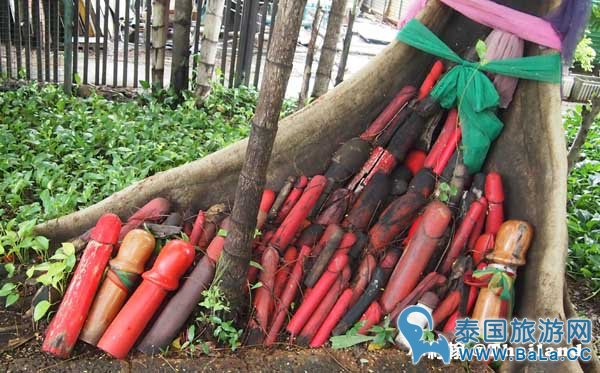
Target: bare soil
20 351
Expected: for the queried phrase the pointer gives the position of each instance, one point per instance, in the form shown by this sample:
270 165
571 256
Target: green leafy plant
585 54
428 335
57 268
382 335
191 342
17 241
10 269
595 18
10 291
41 309
59 153
445 191
215 304
583 204
56 274
481 49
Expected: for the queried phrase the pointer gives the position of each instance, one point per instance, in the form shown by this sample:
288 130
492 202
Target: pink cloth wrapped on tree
496 16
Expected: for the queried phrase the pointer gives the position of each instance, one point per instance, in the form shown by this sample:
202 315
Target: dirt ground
20 352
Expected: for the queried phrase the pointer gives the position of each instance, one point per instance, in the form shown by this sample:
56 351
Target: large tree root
304 142
530 154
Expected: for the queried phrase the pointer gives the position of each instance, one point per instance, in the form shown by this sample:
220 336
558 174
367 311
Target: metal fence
111 40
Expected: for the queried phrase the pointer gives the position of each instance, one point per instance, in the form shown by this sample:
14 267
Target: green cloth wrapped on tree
467 87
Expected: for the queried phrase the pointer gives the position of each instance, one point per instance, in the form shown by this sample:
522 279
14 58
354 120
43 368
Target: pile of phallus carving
395 220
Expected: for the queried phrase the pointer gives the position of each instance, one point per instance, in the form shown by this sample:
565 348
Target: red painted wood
64 329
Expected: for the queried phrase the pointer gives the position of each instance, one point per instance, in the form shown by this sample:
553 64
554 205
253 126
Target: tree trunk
160 27
230 275
181 45
310 56
208 47
347 41
588 116
329 48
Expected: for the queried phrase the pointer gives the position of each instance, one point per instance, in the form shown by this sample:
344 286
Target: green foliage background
61 153
583 203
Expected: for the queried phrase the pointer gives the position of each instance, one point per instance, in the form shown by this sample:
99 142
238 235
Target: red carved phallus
494 192
314 298
198 228
390 111
338 310
292 198
434 75
263 298
450 325
292 223
442 141
214 250
288 295
446 307
484 244
462 234
64 329
478 228
289 258
268 197
372 316
415 160
413 262
154 210
172 262
327 303
446 153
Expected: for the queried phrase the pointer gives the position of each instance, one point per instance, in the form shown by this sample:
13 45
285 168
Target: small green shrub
59 153
214 304
583 204
380 336
585 54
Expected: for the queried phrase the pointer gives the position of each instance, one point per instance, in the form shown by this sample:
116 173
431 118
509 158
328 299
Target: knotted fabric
499 282
467 87
563 26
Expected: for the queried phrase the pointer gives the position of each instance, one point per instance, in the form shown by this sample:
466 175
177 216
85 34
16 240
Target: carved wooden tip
135 250
436 218
512 242
172 262
494 191
107 229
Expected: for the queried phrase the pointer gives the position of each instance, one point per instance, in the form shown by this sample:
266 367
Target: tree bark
208 47
230 275
329 48
160 27
347 41
588 116
181 45
310 56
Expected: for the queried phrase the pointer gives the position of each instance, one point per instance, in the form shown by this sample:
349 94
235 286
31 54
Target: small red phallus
494 193
172 262
64 329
